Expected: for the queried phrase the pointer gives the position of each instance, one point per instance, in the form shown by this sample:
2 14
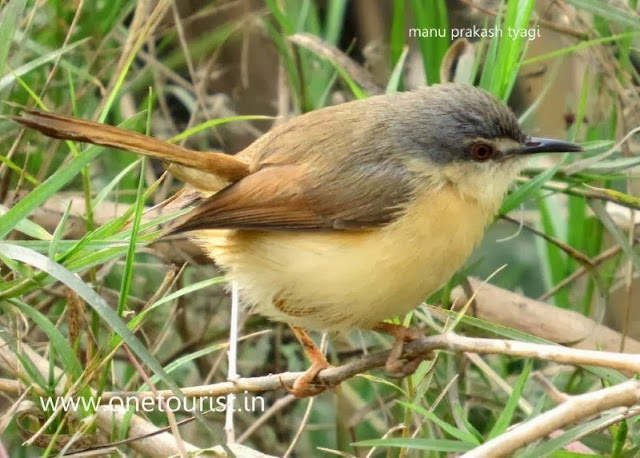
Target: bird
347 216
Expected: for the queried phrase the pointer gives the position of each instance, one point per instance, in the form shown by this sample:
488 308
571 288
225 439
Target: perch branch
448 341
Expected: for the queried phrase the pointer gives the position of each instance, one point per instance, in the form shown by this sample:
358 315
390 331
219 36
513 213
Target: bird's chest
342 280
420 252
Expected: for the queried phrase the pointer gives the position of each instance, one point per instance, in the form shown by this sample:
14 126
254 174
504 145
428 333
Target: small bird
346 216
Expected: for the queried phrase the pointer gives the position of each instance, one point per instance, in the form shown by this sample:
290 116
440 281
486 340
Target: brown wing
292 198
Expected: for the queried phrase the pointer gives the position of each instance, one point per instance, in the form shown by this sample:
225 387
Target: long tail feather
54 125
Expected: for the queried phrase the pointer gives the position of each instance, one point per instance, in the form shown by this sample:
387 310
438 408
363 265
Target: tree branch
449 341
572 410
514 311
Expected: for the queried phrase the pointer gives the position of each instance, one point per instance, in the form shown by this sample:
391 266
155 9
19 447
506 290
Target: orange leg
401 334
303 386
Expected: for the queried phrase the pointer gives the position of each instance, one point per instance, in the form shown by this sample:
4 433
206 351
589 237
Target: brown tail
68 128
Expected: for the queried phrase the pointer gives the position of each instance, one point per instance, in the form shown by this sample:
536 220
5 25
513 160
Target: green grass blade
94 300
437 445
70 363
398 32
459 434
8 25
28 227
11 78
506 417
127 275
57 234
527 190
432 16
50 186
104 192
395 80
608 11
334 20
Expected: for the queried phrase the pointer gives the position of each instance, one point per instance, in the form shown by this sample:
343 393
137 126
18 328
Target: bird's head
465 136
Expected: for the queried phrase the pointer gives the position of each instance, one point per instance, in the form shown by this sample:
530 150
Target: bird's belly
344 280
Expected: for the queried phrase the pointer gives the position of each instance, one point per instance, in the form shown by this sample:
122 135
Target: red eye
482 151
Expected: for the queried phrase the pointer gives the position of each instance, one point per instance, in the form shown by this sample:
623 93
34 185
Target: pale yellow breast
337 281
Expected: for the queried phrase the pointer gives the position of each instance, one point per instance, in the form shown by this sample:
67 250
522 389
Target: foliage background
170 72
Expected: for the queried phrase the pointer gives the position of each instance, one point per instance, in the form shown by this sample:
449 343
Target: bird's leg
401 335
303 386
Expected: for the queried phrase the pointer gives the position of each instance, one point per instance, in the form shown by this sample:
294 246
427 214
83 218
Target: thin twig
171 417
303 424
549 388
583 164
569 250
604 256
590 193
333 54
233 360
277 406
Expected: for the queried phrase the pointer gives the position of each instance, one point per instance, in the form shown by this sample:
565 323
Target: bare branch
574 409
449 341
539 319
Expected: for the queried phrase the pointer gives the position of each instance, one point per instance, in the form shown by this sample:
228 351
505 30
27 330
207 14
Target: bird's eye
482 151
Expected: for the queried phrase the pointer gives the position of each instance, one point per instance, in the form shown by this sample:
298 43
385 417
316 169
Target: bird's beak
535 145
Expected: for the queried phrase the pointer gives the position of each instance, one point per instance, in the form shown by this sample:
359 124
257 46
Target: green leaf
8 25
506 417
506 52
29 227
395 80
127 275
460 434
398 32
11 78
551 445
178 363
577 47
527 190
104 192
438 445
70 363
50 186
431 15
95 301
334 20
608 11
57 234
216 122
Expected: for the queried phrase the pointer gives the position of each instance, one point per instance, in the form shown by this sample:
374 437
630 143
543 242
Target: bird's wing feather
294 198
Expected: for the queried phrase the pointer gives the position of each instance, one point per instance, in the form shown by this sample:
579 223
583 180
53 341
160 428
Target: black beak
535 145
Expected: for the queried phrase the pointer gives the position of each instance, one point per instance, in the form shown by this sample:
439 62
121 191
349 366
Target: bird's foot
402 335
307 384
